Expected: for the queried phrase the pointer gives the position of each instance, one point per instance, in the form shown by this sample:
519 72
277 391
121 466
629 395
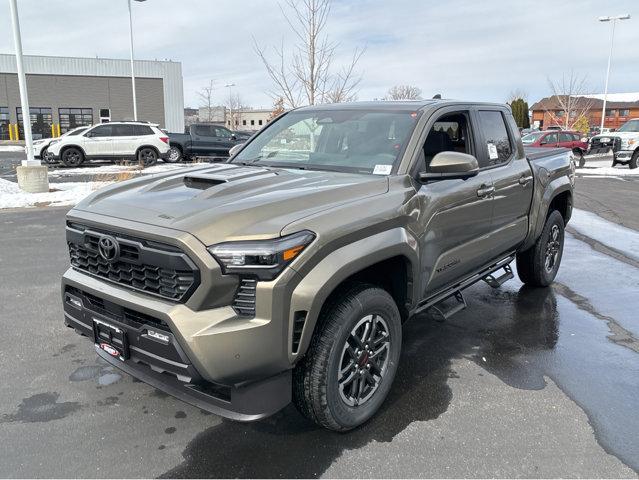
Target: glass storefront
71 118
41 120
4 123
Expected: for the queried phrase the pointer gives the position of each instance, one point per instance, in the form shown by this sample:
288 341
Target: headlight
263 258
53 142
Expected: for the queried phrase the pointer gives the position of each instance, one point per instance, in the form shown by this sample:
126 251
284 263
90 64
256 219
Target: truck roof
394 105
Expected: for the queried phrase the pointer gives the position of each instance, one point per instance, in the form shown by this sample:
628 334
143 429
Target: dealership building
66 92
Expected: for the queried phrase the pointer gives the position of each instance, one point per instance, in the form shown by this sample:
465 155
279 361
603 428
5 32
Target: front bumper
162 362
623 155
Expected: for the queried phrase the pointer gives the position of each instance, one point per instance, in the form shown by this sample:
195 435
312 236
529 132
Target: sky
463 49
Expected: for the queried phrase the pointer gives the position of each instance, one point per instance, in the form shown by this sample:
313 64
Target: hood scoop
223 174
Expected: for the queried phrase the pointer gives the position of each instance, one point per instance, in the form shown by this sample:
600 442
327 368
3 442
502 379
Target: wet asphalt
524 383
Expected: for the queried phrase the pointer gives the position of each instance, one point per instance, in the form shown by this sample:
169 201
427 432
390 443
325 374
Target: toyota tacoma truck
286 273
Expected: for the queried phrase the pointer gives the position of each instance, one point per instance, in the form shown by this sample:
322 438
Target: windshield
348 140
531 137
630 126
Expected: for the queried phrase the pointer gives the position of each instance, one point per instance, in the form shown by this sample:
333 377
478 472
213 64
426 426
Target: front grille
142 265
244 301
597 146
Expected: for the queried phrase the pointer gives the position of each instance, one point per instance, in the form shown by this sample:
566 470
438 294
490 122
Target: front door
97 142
455 217
225 140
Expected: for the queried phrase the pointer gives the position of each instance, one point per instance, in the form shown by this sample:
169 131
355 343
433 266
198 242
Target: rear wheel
634 161
174 155
579 158
538 266
72 157
147 156
349 368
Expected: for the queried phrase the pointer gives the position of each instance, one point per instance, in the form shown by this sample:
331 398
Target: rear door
98 141
125 141
204 140
566 140
454 220
512 177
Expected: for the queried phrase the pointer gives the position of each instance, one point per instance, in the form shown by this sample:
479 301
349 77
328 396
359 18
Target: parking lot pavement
525 383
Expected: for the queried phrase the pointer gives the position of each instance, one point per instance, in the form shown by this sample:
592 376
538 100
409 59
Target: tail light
165 139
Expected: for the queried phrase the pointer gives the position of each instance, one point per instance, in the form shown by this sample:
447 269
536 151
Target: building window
252 122
624 113
4 123
71 118
259 122
243 122
41 120
610 113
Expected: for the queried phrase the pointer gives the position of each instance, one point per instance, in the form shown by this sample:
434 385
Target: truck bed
537 153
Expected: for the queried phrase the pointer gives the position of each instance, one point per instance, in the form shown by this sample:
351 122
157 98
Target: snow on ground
68 193
610 234
11 148
114 169
609 171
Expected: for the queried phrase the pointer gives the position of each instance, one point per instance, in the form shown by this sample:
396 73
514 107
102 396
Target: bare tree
206 99
403 92
568 96
516 94
235 106
306 75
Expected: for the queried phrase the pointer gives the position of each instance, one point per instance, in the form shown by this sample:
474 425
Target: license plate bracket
111 339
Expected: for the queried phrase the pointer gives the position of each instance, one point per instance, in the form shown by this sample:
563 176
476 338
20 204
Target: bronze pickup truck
286 273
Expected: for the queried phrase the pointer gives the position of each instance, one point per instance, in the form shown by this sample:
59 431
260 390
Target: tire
72 157
538 266
634 161
334 347
174 155
147 156
579 157
44 158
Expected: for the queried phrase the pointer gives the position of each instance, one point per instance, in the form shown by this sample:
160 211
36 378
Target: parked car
286 274
140 141
559 138
624 144
41 147
204 140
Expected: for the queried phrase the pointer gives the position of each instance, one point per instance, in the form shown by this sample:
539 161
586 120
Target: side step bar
485 274
442 314
497 282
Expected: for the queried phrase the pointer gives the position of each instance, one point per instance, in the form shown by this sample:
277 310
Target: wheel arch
157 152
67 147
386 260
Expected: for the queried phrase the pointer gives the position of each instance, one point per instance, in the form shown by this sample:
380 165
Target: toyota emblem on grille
108 248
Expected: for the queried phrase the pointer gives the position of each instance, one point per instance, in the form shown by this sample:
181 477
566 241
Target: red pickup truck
558 138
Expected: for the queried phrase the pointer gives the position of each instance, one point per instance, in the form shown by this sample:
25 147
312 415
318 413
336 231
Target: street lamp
612 39
135 104
230 86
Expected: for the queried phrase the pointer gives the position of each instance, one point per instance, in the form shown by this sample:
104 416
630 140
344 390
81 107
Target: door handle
523 180
485 191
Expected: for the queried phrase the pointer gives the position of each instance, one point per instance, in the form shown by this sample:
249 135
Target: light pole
135 103
612 40
230 86
32 176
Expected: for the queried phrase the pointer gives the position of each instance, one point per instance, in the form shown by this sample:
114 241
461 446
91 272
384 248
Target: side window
102 131
123 130
550 139
497 142
204 131
222 132
576 137
449 133
565 137
142 130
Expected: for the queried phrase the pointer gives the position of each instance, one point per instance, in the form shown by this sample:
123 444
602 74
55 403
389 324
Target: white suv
139 141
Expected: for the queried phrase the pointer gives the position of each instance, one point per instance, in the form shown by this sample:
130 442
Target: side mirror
234 149
233 136
449 165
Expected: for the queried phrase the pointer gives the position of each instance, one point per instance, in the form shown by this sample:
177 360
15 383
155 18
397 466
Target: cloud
459 48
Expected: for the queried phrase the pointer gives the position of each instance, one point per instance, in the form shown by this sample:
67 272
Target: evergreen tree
520 112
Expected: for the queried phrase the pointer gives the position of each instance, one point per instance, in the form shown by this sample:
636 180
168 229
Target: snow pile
66 194
115 169
610 234
619 171
11 148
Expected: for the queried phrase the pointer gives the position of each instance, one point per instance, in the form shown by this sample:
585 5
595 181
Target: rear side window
498 146
123 130
204 130
565 137
143 130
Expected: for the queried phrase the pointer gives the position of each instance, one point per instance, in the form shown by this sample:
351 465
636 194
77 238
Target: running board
497 282
441 313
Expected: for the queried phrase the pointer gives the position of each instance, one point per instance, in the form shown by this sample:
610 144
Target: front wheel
72 157
634 161
174 155
147 156
352 360
538 266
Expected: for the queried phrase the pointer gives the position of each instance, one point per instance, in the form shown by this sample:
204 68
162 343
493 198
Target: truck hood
230 202
622 135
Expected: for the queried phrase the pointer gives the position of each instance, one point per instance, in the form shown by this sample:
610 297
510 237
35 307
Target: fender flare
338 266
554 188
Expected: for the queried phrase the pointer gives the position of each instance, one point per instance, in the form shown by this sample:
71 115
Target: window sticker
492 151
382 169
